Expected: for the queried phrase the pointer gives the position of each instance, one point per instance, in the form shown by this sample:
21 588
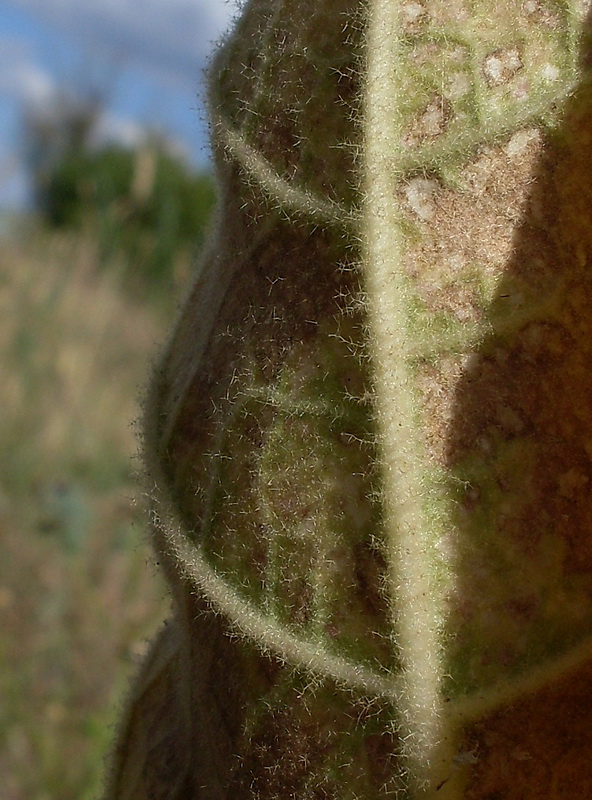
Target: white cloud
32 88
172 36
20 77
113 128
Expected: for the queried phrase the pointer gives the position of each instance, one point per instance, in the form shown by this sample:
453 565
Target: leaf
369 435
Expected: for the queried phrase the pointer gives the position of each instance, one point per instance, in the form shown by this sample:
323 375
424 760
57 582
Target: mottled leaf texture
369 443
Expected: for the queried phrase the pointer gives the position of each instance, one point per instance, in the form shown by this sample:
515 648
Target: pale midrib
416 608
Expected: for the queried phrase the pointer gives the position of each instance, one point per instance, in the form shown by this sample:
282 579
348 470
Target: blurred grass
78 592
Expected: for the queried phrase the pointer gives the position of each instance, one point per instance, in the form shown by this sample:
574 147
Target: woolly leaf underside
271 418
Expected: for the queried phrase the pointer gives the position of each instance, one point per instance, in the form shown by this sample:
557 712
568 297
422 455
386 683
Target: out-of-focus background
105 196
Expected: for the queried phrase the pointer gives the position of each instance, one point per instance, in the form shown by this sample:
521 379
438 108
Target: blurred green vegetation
78 592
144 205
86 291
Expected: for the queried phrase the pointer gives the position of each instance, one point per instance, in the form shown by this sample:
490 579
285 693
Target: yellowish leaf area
369 441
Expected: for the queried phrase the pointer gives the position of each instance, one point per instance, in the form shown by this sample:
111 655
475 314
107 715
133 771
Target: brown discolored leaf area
525 406
537 749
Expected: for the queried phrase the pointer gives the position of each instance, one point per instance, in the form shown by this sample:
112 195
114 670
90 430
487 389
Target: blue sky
146 56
